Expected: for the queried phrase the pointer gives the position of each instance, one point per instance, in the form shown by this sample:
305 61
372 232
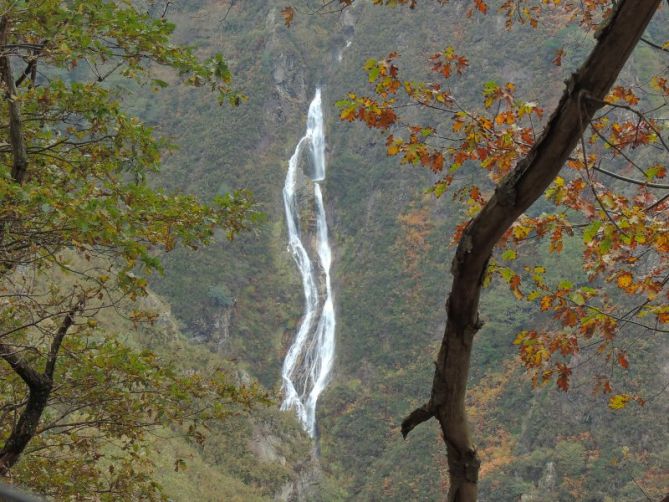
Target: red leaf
563 379
622 360
481 6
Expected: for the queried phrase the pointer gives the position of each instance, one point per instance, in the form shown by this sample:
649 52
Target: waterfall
306 368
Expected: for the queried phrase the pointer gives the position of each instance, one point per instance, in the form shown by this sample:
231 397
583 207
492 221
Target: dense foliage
80 227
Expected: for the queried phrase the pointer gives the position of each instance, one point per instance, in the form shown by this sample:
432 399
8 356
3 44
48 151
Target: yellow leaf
625 280
619 401
521 232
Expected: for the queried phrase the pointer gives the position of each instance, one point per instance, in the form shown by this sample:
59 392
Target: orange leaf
546 302
288 14
514 284
622 360
481 6
625 280
393 149
437 162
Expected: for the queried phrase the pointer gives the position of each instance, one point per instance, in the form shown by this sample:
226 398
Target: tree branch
67 323
630 180
654 45
31 377
31 68
417 417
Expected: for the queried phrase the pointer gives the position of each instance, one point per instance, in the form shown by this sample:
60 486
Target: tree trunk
16 137
25 428
583 96
17 141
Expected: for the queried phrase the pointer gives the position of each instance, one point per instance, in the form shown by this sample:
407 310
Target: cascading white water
308 362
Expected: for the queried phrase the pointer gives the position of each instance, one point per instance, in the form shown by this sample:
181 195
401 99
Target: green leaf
438 189
534 295
578 299
605 244
566 285
507 274
374 74
590 231
509 255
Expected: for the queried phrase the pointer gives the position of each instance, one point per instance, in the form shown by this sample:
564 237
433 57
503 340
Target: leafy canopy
81 228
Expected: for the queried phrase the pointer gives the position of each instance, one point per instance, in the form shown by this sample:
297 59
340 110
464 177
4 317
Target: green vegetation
80 229
391 270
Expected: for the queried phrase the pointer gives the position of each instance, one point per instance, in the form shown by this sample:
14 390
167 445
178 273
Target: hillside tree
81 229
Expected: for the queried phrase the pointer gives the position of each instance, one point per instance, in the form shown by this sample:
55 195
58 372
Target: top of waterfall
316 134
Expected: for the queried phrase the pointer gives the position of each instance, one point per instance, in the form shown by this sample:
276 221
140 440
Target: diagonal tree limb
417 417
30 376
654 45
67 323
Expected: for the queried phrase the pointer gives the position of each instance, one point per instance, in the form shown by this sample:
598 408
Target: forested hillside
236 306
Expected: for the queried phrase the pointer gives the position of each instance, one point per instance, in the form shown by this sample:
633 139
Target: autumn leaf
622 360
481 6
591 231
563 378
393 149
437 162
509 255
655 171
520 231
660 84
288 14
514 284
559 54
625 280
619 401
546 302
